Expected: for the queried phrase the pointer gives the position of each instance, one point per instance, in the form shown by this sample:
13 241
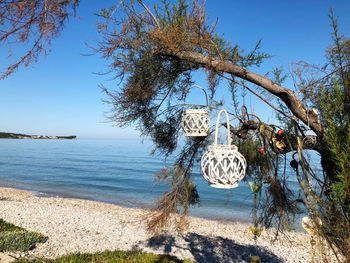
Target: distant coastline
9 135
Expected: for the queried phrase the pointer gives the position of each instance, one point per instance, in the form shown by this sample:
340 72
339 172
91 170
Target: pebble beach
76 225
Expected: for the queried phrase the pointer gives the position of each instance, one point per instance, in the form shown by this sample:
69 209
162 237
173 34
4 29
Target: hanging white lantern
222 165
196 122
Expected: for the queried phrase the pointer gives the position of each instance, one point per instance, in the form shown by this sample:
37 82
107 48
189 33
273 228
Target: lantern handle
196 86
217 128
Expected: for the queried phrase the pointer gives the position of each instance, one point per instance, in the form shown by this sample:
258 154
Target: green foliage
333 103
109 257
254 58
155 82
337 138
154 56
21 240
14 238
189 195
186 195
4 226
342 185
255 231
255 188
249 148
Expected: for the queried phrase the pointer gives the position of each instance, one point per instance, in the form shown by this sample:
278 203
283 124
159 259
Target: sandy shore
74 225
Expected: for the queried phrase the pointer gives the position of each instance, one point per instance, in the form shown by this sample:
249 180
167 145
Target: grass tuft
4 226
109 257
14 238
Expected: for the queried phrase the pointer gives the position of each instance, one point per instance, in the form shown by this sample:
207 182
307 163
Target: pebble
75 225
6 258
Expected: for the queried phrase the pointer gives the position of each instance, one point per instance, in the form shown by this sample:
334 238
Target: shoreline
124 203
74 225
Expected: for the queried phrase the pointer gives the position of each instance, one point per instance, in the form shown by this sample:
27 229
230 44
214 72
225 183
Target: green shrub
19 240
4 226
109 257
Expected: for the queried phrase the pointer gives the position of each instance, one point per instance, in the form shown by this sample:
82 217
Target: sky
60 94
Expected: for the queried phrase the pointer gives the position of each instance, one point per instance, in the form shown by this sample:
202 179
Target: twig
347 65
149 12
257 96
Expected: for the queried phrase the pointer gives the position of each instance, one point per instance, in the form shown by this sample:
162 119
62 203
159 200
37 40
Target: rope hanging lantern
196 122
222 165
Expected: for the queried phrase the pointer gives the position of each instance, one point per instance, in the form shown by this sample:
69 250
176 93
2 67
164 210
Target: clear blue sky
59 95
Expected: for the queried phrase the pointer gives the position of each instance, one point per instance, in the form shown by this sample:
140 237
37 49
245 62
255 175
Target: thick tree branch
309 117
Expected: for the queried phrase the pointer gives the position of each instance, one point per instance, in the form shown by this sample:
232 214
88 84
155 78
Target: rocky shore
73 225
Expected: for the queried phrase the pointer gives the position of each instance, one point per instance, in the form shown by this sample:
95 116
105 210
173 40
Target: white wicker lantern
222 165
196 122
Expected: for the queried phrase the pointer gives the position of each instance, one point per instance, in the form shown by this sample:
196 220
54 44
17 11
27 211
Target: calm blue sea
113 171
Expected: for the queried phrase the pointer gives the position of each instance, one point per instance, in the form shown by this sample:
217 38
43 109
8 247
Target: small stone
5 258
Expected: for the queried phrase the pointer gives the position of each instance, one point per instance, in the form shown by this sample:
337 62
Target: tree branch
309 117
149 12
279 145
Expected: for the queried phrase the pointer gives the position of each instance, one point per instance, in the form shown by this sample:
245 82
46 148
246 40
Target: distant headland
9 135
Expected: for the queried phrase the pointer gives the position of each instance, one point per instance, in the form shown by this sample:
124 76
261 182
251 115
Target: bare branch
149 12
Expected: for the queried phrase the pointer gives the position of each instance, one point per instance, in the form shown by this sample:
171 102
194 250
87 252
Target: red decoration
280 133
262 150
267 180
294 164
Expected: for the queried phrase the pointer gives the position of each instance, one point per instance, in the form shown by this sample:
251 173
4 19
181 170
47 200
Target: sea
113 171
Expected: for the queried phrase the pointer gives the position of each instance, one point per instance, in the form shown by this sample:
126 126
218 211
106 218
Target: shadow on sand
211 249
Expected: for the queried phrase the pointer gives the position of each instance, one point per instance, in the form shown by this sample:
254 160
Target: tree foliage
34 23
154 54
